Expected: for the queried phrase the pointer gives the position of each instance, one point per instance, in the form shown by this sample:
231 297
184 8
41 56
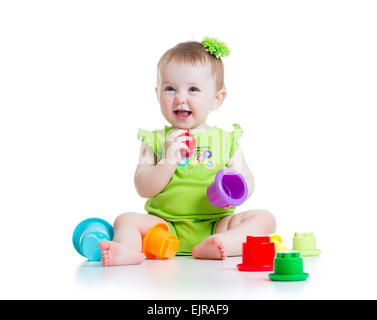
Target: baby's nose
180 98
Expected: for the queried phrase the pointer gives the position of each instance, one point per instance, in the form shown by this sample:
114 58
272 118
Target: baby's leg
231 232
126 247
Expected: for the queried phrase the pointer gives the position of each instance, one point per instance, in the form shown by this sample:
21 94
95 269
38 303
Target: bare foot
118 254
210 248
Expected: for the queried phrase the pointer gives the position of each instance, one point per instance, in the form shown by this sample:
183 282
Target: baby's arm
151 177
238 163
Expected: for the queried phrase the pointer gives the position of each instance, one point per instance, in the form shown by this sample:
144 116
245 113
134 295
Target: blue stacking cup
88 234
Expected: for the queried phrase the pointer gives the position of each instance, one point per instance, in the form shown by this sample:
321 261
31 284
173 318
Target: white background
77 80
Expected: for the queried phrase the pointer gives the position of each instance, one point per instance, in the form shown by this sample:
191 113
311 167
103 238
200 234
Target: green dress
183 203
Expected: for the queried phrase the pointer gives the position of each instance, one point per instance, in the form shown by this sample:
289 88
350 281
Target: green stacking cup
306 244
288 267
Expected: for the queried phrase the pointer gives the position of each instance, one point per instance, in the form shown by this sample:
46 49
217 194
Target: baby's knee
269 221
127 218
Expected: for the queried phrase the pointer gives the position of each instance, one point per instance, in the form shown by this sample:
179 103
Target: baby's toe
104 245
105 260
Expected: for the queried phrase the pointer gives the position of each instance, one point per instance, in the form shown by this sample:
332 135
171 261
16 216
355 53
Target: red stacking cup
191 144
258 254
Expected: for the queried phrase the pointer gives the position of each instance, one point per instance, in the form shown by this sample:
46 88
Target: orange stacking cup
159 242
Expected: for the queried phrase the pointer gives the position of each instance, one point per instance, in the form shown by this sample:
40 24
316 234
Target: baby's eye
169 88
194 89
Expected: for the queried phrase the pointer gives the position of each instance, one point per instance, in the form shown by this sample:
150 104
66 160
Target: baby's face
187 94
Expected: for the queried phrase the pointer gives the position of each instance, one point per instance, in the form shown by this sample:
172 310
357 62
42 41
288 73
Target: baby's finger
175 133
182 147
183 139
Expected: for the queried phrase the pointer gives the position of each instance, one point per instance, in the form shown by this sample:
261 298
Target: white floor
187 278
338 273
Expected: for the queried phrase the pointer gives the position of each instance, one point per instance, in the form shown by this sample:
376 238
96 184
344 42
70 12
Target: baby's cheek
165 105
164 100
199 111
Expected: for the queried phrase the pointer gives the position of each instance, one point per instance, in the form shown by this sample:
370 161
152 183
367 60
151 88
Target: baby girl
175 178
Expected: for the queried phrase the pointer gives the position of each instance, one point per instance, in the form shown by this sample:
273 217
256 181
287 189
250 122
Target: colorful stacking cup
305 243
88 234
278 243
257 254
191 144
288 267
159 242
229 188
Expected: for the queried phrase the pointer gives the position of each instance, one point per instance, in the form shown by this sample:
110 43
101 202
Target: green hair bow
215 47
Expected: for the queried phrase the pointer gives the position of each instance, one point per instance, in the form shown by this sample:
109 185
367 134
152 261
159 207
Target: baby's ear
219 99
158 98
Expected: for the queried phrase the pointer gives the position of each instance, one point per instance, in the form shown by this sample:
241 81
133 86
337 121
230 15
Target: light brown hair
193 52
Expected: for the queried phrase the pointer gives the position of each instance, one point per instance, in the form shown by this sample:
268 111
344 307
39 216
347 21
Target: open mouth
182 114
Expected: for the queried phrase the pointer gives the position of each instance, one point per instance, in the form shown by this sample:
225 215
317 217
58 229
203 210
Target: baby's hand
175 145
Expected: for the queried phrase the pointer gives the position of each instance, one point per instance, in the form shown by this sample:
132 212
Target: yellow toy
278 243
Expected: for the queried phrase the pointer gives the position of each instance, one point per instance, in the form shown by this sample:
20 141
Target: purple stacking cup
228 189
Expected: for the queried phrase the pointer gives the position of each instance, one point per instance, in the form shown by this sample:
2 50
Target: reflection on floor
188 278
